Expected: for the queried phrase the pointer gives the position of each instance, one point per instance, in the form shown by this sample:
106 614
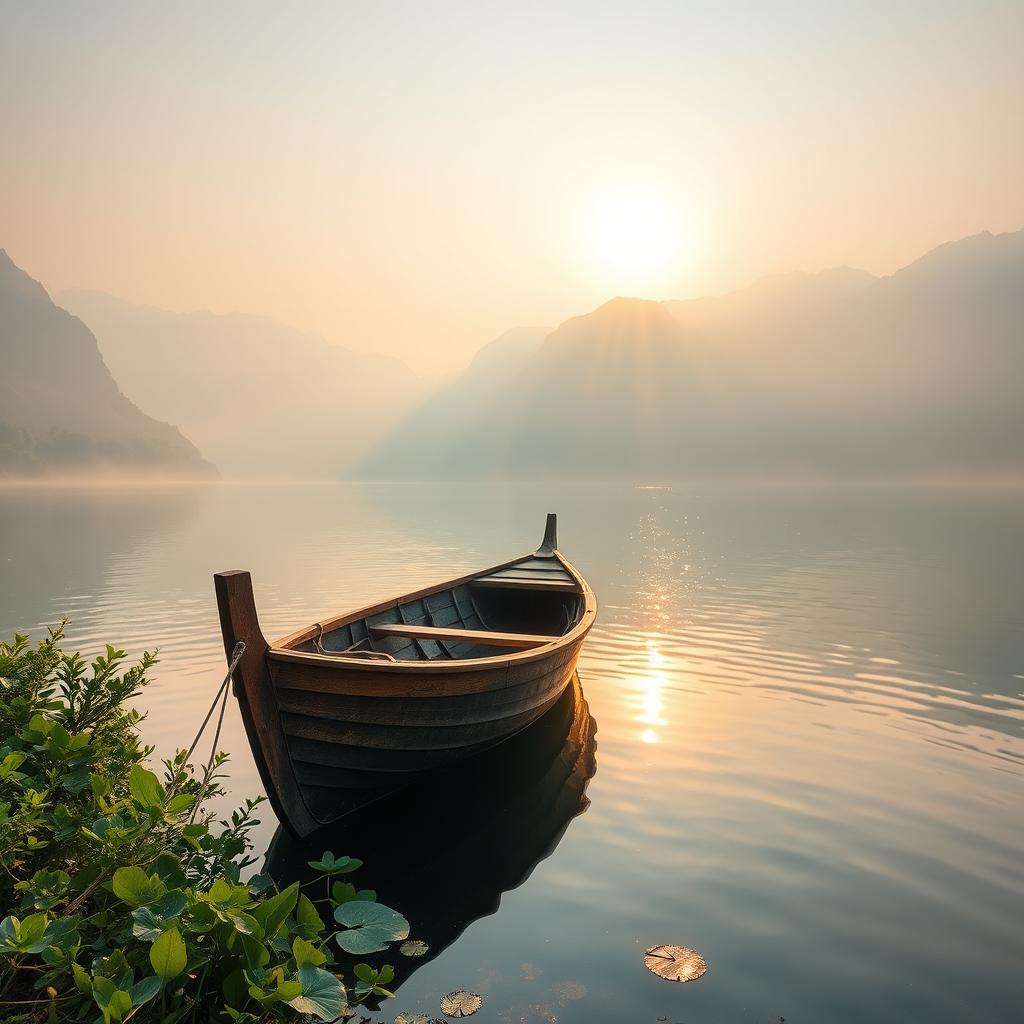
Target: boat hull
348 748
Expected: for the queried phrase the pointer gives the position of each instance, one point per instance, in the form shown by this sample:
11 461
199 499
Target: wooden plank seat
472 636
506 583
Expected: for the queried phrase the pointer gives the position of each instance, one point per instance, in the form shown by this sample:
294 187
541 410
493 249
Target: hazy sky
416 178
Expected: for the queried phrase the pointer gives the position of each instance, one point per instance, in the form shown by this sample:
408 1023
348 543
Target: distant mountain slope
833 375
778 299
61 412
442 430
262 398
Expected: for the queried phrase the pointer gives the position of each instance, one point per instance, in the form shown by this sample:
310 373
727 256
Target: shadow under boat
443 851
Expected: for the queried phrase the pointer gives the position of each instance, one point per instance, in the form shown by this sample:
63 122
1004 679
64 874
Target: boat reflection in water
443 851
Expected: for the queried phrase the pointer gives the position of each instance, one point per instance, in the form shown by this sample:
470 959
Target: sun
636 236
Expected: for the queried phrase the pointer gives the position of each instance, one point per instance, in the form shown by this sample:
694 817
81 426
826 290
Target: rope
222 696
348 652
236 657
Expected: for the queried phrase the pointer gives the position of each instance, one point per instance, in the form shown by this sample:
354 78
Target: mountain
444 426
777 299
834 375
600 396
601 391
61 412
262 398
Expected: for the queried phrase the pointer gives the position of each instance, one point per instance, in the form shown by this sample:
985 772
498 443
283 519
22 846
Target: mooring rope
222 696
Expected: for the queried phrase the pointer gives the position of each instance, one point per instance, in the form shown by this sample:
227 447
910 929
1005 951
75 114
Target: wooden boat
353 707
445 850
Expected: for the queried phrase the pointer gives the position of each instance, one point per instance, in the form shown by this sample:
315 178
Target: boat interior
523 605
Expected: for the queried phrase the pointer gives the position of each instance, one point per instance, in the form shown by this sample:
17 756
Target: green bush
123 898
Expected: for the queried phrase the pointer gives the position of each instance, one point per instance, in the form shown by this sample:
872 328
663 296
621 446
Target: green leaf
146 925
202 918
145 788
63 932
114 965
118 1006
28 936
168 868
227 896
308 922
287 990
101 786
271 913
371 926
59 736
331 865
364 972
77 780
112 1001
38 729
235 987
135 887
178 804
144 990
168 955
256 953
32 928
170 905
306 954
82 980
9 934
344 892
322 995
246 924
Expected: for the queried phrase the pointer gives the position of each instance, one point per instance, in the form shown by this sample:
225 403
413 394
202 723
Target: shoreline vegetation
122 897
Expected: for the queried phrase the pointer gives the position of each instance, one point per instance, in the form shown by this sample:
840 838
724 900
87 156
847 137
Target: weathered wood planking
488 638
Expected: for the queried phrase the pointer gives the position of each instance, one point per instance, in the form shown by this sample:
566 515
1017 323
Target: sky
416 178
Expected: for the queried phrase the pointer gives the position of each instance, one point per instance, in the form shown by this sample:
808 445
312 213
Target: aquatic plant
122 897
460 1004
675 963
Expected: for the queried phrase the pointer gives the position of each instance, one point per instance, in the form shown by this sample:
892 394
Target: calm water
810 731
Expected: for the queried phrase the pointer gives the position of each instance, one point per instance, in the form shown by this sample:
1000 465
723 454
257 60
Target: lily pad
322 994
460 1004
371 927
675 963
411 1018
414 947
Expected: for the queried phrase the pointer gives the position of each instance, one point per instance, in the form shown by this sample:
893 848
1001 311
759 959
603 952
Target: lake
809 751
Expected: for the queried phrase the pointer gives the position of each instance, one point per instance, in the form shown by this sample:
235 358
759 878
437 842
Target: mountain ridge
265 399
909 375
61 411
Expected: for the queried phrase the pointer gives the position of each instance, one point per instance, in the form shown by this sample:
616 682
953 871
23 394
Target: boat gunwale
283 651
